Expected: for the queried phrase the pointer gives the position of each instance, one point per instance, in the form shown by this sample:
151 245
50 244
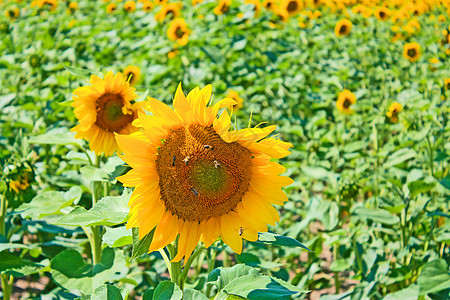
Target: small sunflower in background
129 6
343 27
172 53
52 4
441 18
178 31
393 112
112 7
73 6
196 179
447 84
132 74
269 4
222 7
195 2
170 11
160 2
292 6
345 99
104 108
411 51
12 13
280 16
382 13
147 6
239 101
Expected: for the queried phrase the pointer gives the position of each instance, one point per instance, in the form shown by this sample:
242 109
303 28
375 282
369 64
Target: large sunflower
196 179
104 108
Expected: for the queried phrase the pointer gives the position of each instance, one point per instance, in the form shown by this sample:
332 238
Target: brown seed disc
110 116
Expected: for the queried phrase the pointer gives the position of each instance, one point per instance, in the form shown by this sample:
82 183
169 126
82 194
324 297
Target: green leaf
109 292
411 292
419 186
5 246
434 277
85 73
399 156
49 203
69 270
191 294
279 240
376 215
56 137
14 265
117 237
315 172
6 99
167 290
91 173
445 182
107 211
140 246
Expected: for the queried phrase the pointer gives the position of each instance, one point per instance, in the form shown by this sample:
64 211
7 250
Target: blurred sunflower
195 2
222 7
279 15
52 4
343 27
239 101
12 13
393 112
172 53
178 31
292 6
382 13
345 99
441 18
129 6
256 6
411 51
171 10
269 4
447 83
73 6
132 74
105 108
196 179
147 6
112 7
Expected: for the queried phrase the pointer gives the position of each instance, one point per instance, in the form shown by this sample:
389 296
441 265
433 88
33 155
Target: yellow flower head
132 74
148 6
222 7
343 27
447 83
178 31
441 18
239 101
434 60
292 6
112 7
52 4
346 99
72 7
171 10
129 6
104 108
269 4
411 51
382 13
12 13
195 2
196 179
393 112
172 53
280 15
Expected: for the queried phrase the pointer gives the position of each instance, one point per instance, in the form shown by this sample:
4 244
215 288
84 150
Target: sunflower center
200 175
448 86
179 32
292 6
382 14
11 13
224 8
347 103
343 29
109 113
411 52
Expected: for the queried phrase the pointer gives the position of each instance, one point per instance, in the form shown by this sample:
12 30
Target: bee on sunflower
393 112
178 31
132 74
195 179
104 108
343 27
345 99
411 51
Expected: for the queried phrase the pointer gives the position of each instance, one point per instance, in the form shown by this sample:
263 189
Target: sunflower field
225 149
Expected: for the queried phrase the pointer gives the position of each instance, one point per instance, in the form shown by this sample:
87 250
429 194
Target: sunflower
148 6
382 13
280 15
256 6
196 179
411 51
292 6
345 100
129 6
269 4
441 18
239 101
393 112
447 83
132 74
52 4
343 27
178 31
72 7
171 10
112 7
195 2
222 7
103 109
12 13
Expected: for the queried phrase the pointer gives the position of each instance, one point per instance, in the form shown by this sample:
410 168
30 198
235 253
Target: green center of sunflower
292 6
411 52
110 116
200 175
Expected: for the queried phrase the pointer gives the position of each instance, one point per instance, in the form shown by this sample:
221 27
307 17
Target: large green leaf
411 292
14 265
377 215
56 137
399 157
117 237
191 294
279 240
167 290
107 211
434 277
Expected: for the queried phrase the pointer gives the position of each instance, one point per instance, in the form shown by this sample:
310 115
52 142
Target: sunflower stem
187 266
175 267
